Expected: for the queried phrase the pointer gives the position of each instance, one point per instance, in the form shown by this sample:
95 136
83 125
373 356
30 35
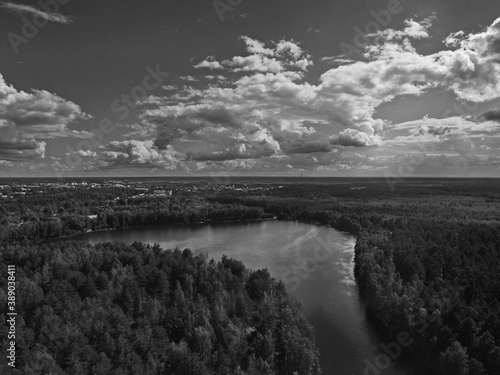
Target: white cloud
454 39
139 153
289 47
209 63
257 63
303 64
87 153
23 9
473 69
257 47
25 118
217 77
189 78
356 138
413 30
270 99
340 59
311 30
285 55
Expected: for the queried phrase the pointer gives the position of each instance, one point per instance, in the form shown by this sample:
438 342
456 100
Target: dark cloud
307 147
175 127
15 148
435 130
493 115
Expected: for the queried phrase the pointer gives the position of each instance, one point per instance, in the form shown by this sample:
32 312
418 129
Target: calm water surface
315 262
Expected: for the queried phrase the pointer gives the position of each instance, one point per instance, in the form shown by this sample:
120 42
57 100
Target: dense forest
438 280
137 309
427 260
427 255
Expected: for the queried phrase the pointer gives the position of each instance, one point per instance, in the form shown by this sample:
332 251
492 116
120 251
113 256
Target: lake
315 262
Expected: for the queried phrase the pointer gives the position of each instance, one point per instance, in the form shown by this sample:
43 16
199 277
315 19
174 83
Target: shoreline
89 231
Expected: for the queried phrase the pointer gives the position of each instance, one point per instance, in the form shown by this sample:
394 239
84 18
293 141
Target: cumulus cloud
28 9
287 47
263 112
432 145
28 118
412 30
209 63
16 147
284 56
356 138
254 63
256 47
139 153
470 68
87 153
449 127
220 115
473 68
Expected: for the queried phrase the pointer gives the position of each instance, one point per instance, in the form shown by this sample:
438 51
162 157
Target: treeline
135 309
439 281
31 219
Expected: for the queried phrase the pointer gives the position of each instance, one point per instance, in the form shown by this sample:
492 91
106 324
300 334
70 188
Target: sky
393 88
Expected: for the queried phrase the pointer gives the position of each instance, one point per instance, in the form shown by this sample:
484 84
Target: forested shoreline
426 267
113 308
31 219
427 253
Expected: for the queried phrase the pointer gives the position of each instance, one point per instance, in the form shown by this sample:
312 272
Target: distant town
130 189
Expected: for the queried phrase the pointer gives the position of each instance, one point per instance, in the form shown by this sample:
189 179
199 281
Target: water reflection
316 263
